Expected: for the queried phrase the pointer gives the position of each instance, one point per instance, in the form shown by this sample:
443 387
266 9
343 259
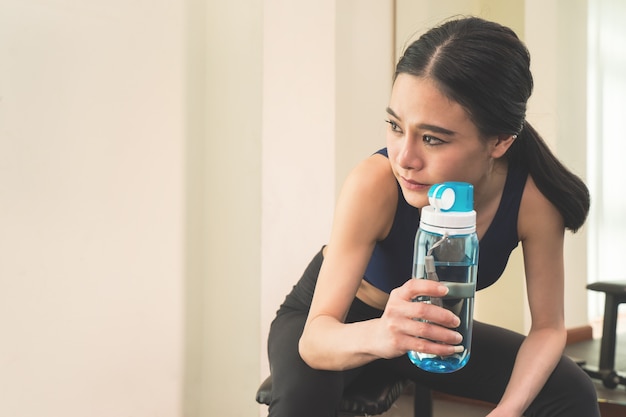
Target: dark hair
485 68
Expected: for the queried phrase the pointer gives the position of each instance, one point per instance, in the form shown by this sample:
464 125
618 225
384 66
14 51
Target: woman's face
431 139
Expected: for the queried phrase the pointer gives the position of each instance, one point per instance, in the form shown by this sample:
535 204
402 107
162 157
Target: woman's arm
364 215
541 231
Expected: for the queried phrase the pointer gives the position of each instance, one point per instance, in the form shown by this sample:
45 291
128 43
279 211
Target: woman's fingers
421 326
400 301
432 314
420 287
432 331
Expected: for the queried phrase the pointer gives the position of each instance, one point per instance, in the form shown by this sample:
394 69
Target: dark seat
369 395
615 292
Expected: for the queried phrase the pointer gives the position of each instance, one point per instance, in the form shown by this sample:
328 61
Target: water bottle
446 250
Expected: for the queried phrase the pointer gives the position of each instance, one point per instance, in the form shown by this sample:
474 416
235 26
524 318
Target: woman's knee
568 392
312 393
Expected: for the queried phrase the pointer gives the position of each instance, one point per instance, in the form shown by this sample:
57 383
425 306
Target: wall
364 67
168 169
558 109
224 85
91 208
298 155
323 111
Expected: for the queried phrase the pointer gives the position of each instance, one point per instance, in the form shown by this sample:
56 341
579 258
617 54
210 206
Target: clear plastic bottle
446 250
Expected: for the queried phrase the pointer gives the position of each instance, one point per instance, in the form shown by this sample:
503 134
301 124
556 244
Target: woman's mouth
413 185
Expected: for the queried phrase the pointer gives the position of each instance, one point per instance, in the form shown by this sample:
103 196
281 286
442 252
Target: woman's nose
410 155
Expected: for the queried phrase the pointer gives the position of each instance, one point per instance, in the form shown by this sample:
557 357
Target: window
606 145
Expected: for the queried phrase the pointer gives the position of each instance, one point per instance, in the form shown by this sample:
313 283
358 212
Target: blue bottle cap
452 196
451 209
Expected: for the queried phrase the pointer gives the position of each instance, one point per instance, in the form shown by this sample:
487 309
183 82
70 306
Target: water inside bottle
459 300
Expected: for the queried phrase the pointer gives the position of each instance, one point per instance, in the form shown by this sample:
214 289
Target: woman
456 113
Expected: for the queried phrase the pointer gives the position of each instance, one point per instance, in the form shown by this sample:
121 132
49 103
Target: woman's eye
394 125
431 140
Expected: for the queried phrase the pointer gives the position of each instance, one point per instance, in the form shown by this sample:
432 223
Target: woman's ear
501 145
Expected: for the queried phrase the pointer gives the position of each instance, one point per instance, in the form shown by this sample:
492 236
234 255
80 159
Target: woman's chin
417 200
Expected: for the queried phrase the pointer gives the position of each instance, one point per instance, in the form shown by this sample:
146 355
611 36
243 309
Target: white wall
364 67
556 34
224 87
323 112
298 155
91 208
167 169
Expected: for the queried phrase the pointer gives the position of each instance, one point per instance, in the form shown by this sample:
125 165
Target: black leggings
299 390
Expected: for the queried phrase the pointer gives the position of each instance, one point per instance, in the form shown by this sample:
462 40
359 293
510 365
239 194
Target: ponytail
564 189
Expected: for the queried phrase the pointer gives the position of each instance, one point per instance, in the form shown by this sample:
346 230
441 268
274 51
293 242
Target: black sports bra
392 260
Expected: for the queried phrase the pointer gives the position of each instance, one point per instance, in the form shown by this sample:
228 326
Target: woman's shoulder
374 178
370 193
537 215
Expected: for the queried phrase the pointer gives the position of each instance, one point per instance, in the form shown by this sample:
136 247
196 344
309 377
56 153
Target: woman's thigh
298 389
487 372
568 391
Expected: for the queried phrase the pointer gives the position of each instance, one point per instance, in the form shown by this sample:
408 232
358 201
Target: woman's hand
406 325
501 412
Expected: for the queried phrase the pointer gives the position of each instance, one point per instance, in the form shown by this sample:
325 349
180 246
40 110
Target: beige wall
322 112
168 169
364 68
558 109
91 208
224 109
298 145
